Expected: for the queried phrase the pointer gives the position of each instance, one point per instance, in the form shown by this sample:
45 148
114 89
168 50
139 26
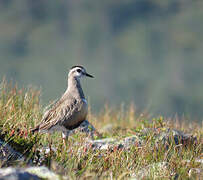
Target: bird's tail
34 130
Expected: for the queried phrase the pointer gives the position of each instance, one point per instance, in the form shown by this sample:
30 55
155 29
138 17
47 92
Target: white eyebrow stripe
76 68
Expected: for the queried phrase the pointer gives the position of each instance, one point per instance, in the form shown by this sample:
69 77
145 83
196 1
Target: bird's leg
50 149
50 142
65 138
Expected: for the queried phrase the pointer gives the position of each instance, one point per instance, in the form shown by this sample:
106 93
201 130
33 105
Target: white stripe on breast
84 100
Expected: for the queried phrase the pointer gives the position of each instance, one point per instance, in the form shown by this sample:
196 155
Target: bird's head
78 72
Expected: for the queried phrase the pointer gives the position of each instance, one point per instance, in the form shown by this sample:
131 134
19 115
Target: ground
127 144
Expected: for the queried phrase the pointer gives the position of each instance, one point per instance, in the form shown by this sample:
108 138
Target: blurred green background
144 51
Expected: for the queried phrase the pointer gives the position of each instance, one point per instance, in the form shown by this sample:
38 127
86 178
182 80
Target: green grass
20 110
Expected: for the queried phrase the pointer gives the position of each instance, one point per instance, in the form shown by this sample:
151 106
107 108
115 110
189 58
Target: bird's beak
88 75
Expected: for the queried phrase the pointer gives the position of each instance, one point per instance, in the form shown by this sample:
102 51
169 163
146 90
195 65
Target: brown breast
77 117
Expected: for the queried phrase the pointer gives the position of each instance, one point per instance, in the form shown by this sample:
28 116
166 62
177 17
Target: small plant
20 110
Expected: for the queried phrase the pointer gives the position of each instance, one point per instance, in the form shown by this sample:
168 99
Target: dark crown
77 66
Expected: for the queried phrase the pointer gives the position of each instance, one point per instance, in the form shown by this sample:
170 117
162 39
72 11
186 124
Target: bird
70 110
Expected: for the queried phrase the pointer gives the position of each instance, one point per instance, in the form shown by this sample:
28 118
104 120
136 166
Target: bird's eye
79 70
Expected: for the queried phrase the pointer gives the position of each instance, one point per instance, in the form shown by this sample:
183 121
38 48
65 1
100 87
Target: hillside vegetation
151 49
20 110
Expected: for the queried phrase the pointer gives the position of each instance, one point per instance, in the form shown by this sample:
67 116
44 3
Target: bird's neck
74 87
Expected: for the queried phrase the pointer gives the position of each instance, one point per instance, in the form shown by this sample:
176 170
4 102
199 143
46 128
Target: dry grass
20 110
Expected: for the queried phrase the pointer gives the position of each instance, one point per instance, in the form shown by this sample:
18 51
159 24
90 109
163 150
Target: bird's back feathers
68 112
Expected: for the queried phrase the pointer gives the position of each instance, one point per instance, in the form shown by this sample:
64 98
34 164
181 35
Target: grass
20 110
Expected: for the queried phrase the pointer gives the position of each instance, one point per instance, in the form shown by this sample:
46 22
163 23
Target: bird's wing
51 108
62 110
51 105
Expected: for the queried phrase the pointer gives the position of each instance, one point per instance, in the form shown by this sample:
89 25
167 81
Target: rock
102 144
85 127
167 136
44 173
131 141
195 173
8 154
157 170
41 155
16 174
110 143
31 173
